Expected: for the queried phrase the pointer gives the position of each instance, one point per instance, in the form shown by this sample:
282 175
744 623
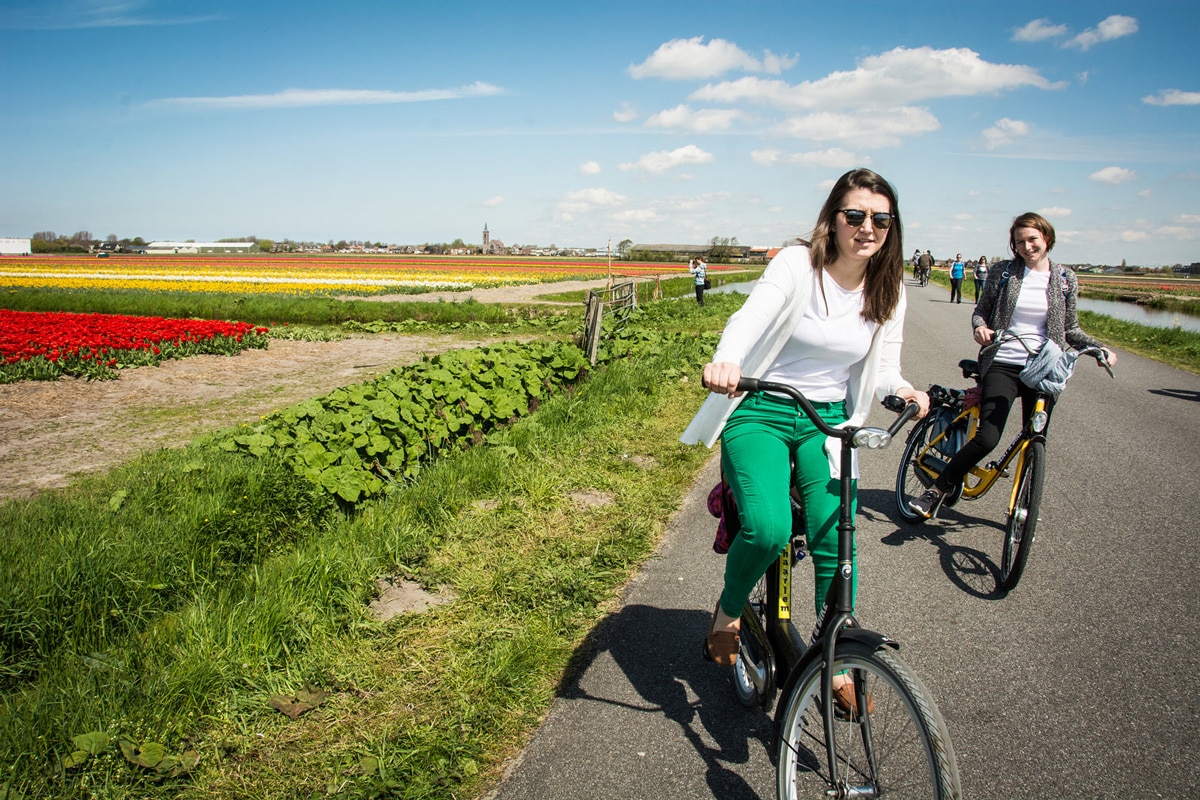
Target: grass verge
534 536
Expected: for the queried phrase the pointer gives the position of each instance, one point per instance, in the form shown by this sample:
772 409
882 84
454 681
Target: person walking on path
980 274
1034 298
699 272
957 269
827 318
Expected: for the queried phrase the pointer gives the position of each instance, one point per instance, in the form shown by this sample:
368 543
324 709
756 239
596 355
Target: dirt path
51 432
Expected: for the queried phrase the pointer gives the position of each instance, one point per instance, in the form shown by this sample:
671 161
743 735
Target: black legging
956 290
1000 387
700 293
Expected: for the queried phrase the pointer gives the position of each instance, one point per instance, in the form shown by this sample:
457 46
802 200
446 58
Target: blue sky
577 124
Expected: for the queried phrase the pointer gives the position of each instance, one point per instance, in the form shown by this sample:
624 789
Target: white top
757 333
1028 319
832 337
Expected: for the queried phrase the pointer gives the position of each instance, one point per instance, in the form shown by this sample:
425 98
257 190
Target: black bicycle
893 742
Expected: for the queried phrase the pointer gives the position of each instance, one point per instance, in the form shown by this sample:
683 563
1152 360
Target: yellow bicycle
952 421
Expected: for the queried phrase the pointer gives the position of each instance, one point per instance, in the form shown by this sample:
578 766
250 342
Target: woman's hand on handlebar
912 395
983 335
722 377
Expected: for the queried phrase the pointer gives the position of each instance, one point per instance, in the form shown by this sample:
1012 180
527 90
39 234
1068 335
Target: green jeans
763 435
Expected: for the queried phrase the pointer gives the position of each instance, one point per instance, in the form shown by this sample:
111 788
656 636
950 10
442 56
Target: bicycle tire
910 751
1022 522
908 484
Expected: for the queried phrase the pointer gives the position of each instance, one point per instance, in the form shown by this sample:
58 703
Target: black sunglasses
855 218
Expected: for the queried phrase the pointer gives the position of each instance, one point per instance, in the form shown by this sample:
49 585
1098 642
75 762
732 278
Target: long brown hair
885 269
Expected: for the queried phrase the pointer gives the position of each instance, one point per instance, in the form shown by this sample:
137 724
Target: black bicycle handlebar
871 438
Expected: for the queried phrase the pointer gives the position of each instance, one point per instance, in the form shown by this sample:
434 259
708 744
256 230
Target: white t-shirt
816 359
1028 320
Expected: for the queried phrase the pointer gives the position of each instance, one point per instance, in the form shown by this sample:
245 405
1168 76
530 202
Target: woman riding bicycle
1034 299
828 319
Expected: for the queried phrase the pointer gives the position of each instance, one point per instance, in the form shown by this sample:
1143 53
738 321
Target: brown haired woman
827 318
1029 296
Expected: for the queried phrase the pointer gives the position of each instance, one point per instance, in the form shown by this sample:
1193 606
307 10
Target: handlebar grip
746 384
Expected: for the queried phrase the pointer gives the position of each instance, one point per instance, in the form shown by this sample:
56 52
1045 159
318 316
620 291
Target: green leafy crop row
354 441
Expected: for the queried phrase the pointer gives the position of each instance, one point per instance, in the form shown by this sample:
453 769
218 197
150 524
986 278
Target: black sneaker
927 505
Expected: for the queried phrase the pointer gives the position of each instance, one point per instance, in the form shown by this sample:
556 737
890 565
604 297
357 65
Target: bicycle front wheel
897 747
1022 521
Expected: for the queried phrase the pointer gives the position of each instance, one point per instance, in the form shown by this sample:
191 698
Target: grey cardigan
996 305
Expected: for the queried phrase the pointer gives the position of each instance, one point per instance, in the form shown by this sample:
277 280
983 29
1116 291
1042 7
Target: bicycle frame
986 476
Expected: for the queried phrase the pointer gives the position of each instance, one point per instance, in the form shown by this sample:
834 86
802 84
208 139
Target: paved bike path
1081 682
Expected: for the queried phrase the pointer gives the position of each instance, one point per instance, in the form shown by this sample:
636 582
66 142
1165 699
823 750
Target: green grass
140 618
1173 346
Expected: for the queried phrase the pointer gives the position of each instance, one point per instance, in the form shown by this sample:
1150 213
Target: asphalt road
1082 682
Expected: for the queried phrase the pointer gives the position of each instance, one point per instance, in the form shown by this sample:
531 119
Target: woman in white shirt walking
827 318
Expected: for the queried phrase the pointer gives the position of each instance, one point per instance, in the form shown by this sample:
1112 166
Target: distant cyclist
925 262
1029 296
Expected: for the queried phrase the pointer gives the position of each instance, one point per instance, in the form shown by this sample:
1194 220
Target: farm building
15 247
192 248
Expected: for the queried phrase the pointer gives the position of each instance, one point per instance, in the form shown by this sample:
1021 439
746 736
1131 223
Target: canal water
1129 312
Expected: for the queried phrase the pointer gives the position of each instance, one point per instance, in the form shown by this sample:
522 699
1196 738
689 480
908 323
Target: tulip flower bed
299 275
46 346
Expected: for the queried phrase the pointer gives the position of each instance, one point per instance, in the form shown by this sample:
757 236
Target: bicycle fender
870 639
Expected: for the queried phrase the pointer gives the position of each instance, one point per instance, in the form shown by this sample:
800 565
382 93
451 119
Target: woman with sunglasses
1034 298
827 318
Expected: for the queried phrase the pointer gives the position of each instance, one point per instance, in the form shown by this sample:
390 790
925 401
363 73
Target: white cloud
492 202
586 200
1054 212
1113 175
865 128
637 215
899 76
766 156
1175 232
591 168
1188 219
691 59
1005 131
1038 30
626 113
102 14
1132 236
831 158
1145 193
1173 97
307 98
706 120
664 160
1110 28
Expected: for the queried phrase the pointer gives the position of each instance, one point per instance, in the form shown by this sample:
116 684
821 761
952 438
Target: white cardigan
768 318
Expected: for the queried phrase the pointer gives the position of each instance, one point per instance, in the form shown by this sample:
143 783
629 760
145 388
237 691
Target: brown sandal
721 647
845 701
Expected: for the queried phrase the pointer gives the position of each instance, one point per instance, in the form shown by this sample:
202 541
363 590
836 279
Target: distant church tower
487 239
